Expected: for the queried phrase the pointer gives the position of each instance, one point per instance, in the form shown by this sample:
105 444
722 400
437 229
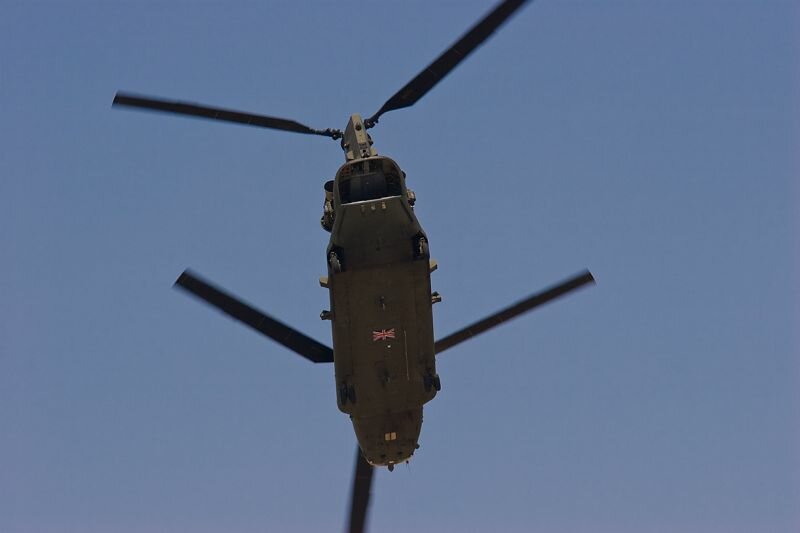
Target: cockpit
359 188
369 179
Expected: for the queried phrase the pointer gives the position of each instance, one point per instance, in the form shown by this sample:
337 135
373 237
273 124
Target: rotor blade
195 110
442 65
359 499
517 309
275 330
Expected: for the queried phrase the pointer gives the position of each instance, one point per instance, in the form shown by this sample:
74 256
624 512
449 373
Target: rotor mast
356 142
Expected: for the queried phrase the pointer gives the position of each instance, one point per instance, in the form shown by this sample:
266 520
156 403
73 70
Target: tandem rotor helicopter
379 272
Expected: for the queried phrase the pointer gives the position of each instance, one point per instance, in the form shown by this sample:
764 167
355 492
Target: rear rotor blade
442 65
275 330
213 113
517 309
359 499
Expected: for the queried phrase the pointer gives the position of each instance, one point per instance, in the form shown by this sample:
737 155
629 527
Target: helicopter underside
385 364
382 327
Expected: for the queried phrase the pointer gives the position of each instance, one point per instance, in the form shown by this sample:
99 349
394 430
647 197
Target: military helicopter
379 278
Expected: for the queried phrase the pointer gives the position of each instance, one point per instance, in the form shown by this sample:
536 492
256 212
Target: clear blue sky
655 143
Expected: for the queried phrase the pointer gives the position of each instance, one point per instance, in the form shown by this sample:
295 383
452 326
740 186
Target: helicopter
378 280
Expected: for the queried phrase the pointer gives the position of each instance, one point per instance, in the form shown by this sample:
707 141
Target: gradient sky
655 143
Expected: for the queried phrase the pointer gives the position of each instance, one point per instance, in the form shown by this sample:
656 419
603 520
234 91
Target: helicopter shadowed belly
381 306
383 338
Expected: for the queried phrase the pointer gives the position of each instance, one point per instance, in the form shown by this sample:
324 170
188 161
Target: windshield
369 187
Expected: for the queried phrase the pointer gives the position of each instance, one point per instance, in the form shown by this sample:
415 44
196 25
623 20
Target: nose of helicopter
388 439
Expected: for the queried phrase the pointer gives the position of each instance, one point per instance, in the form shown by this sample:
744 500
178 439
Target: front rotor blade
228 115
359 499
441 67
275 330
517 309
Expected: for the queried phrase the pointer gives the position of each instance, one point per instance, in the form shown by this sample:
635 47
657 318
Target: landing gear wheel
421 248
431 381
390 467
351 394
334 262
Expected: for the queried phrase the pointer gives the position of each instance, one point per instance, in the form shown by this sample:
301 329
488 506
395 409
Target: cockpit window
369 187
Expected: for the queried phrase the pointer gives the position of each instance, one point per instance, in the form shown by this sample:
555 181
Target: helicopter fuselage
381 308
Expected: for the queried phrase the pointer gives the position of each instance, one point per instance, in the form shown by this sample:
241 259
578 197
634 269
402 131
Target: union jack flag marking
382 335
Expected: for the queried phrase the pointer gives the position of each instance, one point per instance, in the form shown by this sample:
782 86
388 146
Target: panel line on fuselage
405 350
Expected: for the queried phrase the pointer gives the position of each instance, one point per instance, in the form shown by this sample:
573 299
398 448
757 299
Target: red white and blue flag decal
382 335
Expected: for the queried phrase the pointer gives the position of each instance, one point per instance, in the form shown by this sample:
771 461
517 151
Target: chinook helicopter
379 278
